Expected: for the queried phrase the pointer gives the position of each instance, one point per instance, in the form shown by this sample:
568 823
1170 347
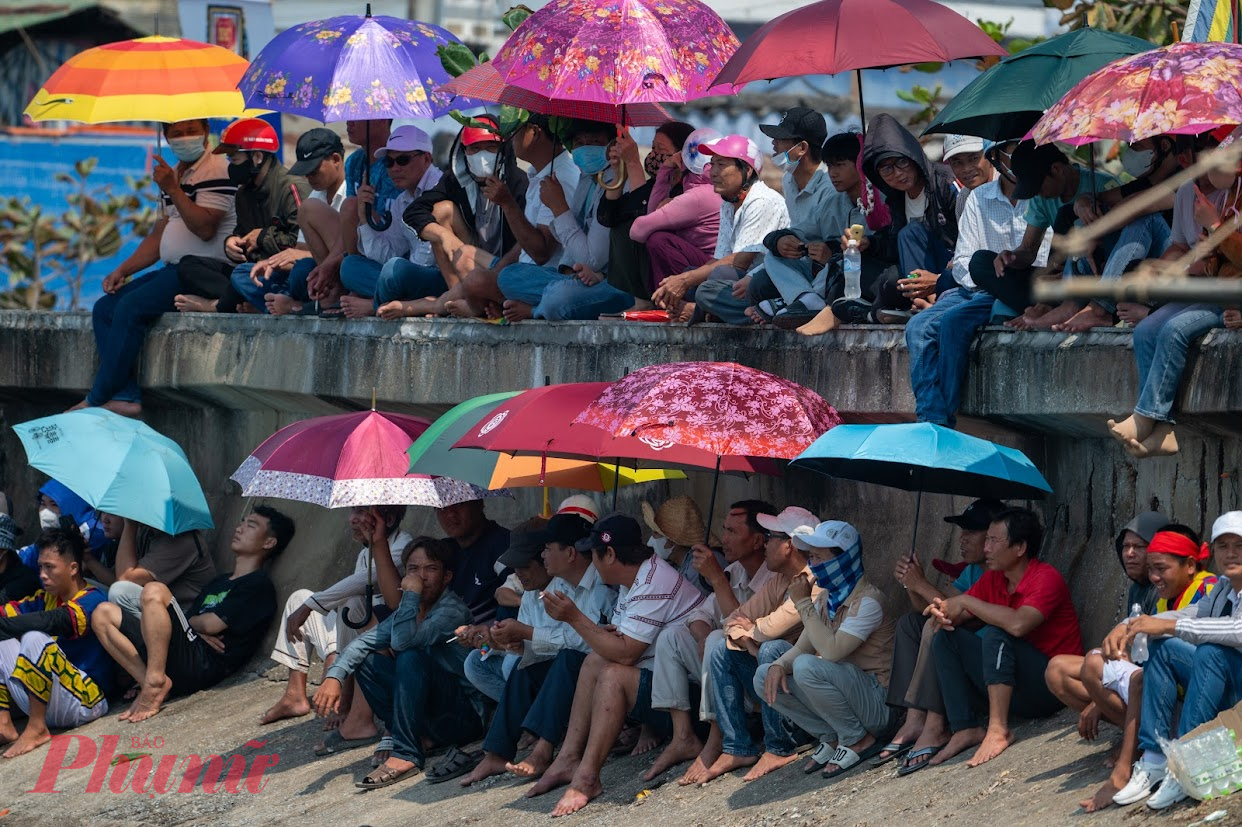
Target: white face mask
48 519
481 164
660 546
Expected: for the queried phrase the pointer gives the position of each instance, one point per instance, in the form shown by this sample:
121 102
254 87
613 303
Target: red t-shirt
1042 587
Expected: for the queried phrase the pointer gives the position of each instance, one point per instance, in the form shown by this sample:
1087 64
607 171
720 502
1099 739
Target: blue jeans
292 284
939 343
1161 342
715 296
1211 675
489 676
359 275
918 248
520 691
121 321
401 279
733 676
557 297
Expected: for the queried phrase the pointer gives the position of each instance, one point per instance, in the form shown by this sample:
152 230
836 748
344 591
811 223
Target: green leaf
456 58
928 68
1059 5
467 120
511 119
516 16
86 166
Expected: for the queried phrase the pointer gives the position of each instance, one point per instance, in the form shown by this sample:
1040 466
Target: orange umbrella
154 78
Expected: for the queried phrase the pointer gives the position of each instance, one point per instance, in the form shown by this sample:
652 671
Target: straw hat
680 520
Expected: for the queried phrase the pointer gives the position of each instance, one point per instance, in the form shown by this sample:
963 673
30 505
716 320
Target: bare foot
1134 428
425 307
356 307
768 763
147 704
332 722
535 764
697 773
994 743
754 315
526 742
186 303
1162 442
1102 799
1090 316
8 732
1132 313
647 741
1027 319
119 406
278 304
287 707
728 763
823 322
678 750
684 314
958 743
30 740
516 311
492 764
560 773
462 309
578 796
1058 315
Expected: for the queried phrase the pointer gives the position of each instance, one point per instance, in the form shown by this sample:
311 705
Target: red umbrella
541 421
834 36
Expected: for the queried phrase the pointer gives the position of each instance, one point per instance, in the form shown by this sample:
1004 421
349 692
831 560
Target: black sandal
456 763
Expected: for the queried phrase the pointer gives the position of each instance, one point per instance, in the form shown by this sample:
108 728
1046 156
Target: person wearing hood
629 264
922 198
197 214
277 284
681 225
58 508
750 211
465 227
573 284
267 202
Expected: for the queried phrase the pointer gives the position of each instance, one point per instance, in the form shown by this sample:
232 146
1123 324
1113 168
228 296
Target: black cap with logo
313 147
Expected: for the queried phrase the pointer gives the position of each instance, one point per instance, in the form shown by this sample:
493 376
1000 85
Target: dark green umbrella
1006 100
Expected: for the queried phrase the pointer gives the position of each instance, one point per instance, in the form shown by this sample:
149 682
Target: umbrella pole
862 109
711 505
914 537
616 482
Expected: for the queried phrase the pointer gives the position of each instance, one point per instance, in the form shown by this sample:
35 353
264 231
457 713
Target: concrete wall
220 385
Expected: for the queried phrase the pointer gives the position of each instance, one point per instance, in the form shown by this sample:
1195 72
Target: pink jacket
694 215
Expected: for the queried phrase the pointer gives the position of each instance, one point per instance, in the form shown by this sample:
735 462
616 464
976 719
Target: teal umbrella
118 465
1006 100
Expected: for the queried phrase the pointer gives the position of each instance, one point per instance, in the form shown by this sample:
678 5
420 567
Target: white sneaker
1170 793
1143 779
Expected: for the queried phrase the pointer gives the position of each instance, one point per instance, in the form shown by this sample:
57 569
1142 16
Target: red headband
1168 542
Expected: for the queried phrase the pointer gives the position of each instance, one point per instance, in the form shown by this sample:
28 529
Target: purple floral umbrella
619 51
353 68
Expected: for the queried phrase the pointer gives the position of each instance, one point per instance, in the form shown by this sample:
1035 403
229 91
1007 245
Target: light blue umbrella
919 456
118 465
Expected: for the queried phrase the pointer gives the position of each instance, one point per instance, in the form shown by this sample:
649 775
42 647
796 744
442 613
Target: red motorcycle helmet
248 135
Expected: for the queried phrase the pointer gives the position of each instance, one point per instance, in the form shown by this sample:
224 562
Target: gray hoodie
1144 525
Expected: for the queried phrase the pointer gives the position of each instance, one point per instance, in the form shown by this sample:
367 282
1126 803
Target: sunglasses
774 535
888 167
391 161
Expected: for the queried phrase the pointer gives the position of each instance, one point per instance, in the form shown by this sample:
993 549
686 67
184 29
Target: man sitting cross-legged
1024 607
51 667
616 678
170 652
410 675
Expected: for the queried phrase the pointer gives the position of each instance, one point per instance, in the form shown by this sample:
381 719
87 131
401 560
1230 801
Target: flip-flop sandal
908 764
385 745
769 309
386 777
846 759
334 742
819 759
626 741
456 763
894 750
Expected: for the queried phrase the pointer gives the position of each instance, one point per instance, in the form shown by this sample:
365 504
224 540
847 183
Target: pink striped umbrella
347 460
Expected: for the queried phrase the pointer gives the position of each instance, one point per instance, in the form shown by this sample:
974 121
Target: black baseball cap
799 124
978 515
616 530
524 547
1030 165
313 147
566 529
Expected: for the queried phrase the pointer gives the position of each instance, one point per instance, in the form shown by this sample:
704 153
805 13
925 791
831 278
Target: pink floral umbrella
1185 88
618 51
347 460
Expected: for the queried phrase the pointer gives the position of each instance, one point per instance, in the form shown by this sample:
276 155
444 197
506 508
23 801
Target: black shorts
192 665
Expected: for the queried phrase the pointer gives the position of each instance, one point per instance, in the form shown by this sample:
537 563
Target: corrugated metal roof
24 16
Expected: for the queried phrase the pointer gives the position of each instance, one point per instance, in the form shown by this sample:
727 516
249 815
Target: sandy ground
1038 781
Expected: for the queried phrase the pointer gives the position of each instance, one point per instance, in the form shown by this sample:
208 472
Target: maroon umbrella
834 36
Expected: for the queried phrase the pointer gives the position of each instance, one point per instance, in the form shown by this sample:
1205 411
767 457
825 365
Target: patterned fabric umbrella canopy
346 460
149 79
484 83
618 51
1184 89
353 68
722 408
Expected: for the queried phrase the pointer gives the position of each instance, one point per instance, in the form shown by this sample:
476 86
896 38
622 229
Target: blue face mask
820 572
591 159
188 150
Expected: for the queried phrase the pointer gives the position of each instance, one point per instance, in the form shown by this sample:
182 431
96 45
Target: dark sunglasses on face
391 161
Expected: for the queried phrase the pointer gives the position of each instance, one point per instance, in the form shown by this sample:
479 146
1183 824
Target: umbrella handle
384 220
380 223
367 613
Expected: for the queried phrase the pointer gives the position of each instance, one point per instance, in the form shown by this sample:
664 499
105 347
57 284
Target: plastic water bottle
1138 649
852 265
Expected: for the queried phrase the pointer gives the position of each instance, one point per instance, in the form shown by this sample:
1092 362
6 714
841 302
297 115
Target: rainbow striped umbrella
154 78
